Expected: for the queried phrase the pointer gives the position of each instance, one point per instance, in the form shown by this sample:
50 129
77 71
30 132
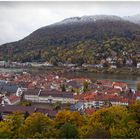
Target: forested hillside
80 42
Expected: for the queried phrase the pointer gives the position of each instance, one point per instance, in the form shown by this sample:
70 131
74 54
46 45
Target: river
11 70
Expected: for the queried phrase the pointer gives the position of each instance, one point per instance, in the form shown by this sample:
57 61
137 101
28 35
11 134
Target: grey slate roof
32 92
76 107
55 93
3 82
46 93
23 109
8 87
74 84
14 108
79 105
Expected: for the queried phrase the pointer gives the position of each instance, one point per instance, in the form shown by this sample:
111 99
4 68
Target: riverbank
122 71
115 71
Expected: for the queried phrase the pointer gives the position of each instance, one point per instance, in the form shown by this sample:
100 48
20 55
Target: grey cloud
19 19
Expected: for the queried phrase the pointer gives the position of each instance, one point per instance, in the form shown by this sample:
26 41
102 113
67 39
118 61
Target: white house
99 66
109 59
113 66
119 103
10 100
138 65
19 91
49 96
94 103
2 63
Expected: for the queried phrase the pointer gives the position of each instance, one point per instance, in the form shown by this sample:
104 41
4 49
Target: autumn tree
68 130
71 117
15 122
37 125
135 111
5 130
85 86
97 131
113 119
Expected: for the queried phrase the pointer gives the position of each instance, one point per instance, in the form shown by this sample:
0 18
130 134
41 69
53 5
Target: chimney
39 92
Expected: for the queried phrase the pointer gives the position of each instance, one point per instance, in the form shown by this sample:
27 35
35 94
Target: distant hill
86 39
134 18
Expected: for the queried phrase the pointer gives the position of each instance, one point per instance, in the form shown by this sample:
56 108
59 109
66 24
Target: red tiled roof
79 97
112 91
100 97
13 98
121 84
105 82
30 85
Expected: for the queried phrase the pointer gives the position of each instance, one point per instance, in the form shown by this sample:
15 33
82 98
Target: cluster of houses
81 93
24 65
113 61
126 59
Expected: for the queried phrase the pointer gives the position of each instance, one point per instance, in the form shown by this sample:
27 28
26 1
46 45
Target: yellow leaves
83 131
5 131
96 117
45 54
71 117
3 126
16 119
15 122
80 51
118 132
108 117
39 124
77 119
62 117
37 119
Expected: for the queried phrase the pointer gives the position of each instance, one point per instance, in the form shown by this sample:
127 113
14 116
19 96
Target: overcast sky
19 19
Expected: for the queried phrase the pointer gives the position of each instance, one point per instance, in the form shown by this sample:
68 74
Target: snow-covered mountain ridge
94 18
